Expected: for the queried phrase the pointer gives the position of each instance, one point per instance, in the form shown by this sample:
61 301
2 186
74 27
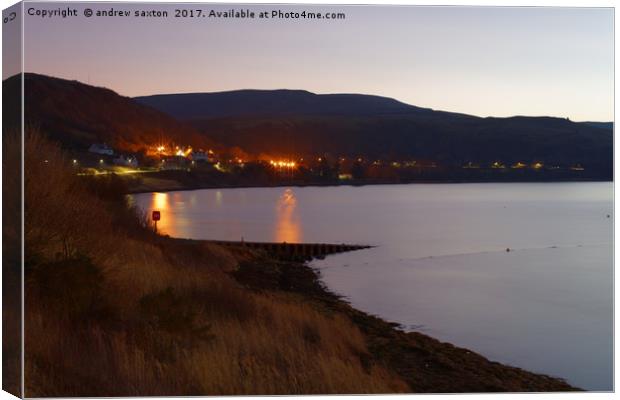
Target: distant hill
78 115
291 123
602 125
274 103
284 122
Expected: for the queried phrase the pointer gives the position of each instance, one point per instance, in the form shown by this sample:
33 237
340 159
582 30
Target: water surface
441 264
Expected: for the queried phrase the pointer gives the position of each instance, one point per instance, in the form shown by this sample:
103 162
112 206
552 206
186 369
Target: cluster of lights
181 152
499 164
283 164
176 151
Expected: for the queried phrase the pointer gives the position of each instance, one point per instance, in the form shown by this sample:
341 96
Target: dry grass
11 262
112 312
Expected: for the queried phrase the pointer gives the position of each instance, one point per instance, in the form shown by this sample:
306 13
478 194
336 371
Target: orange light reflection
288 226
161 203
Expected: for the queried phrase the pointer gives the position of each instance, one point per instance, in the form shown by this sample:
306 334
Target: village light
74 161
101 161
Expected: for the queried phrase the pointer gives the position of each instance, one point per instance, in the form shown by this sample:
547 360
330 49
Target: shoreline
180 186
426 364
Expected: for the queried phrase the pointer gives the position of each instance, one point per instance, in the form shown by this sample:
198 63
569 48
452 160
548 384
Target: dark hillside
290 123
294 123
448 139
78 115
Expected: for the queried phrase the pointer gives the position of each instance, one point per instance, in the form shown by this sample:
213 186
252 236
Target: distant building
173 163
199 156
101 149
126 161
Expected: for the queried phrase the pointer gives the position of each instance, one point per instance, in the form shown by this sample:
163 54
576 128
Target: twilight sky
480 60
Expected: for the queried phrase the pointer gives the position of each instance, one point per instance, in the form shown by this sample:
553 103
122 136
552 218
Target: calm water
441 266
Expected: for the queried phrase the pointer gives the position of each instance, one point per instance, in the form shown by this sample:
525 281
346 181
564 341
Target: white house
101 149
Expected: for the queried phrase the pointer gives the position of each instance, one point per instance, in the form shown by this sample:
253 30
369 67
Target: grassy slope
113 309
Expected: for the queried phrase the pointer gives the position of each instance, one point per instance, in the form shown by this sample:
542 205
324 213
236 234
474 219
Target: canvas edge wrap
12 204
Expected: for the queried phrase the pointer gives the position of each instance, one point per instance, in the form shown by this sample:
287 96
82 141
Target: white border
484 3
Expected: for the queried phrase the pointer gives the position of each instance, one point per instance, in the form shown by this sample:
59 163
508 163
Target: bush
68 287
60 216
107 187
174 314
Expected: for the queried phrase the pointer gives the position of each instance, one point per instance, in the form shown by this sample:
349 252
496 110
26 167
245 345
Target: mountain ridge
252 102
301 124
155 101
384 128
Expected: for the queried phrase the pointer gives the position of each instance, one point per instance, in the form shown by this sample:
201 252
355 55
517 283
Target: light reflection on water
206 215
288 225
161 202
